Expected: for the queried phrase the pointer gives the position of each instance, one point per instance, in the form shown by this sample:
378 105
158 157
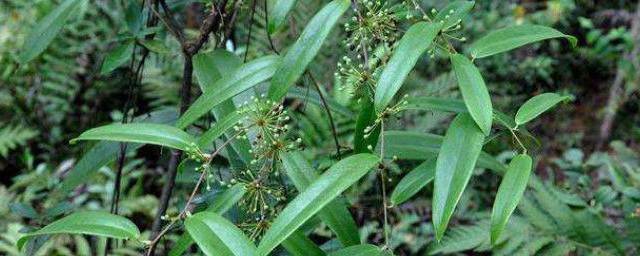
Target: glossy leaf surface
335 215
227 199
88 223
453 105
117 57
537 105
278 11
105 152
409 145
360 250
221 203
323 190
509 38
46 30
510 191
413 43
365 118
474 92
303 51
147 133
245 77
461 147
298 244
411 183
219 128
217 236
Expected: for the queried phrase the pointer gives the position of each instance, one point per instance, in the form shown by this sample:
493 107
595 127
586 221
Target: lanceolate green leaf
509 193
246 76
216 236
306 47
88 223
360 250
220 204
46 30
411 46
298 244
227 199
209 69
156 46
184 242
133 18
460 149
147 133
410 145
436 104
335 215
118 56
453 12
509 38
453 105
474 92
219 129
322 191
537 105
415 180
278 11
105 152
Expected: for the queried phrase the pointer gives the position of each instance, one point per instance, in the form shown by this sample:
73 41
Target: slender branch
155 241
135 79
266 21
253 12
174 31
185 209
176 155
524 149
173 25
326 108
210 25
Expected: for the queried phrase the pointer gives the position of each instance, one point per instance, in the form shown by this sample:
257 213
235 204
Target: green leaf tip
509 193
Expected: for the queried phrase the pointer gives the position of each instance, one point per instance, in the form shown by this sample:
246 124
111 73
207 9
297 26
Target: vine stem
253 12
326 108
266 21
134 80
383 178
210 25
184 211
524 149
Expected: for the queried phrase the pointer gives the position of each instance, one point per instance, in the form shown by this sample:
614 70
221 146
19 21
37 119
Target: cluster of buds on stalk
388 112
373 23
266 122
196 154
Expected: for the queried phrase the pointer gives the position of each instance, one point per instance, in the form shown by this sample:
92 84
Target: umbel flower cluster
374 22
265 125
266 122
371 34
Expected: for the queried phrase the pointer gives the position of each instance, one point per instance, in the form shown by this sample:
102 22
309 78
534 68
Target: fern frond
546 225
462 239
14 136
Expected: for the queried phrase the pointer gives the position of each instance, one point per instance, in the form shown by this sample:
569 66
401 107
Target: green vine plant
266 157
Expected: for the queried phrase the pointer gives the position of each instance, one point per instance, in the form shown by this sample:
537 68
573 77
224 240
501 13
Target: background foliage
584 199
